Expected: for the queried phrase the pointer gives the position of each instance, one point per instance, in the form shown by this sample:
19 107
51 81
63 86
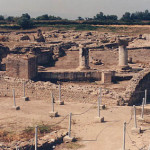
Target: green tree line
25 21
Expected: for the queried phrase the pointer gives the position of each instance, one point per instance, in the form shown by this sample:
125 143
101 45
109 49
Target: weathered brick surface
21 67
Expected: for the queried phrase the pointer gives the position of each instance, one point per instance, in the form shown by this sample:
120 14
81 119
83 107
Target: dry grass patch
27 133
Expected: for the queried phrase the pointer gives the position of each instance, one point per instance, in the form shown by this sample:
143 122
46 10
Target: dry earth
93 136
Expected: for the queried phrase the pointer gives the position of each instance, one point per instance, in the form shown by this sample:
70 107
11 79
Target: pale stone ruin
3 53
83 58
40 37
123 54
24 67
25 37
30 59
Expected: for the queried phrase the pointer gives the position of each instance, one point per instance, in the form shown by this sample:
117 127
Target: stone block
25 98
20 66
68 139
122 42
102 106
106 77
16 107
53 114
83 58
99 119
141 119
136 130
59 102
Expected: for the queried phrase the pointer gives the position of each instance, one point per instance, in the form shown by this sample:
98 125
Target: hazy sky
71 8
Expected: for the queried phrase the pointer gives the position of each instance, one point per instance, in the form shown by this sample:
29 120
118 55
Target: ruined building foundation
83 58
24 67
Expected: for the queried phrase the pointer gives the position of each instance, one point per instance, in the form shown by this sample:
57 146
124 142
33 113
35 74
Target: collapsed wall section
135 92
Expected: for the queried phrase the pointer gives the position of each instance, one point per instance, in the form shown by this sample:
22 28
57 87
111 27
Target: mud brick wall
21 67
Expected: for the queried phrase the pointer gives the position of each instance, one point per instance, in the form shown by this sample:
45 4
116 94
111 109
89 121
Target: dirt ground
91 135
82 102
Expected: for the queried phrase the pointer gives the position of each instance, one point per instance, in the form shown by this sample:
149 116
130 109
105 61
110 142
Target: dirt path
94 136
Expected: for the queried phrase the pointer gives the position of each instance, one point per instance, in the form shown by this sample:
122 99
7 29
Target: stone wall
44 58
135 91
42 91
3 53
146 36
21 67
71 76
36 90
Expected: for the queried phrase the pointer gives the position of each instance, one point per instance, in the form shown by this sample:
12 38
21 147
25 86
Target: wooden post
135 123
98 107
142 112
14 97
124 135
69 133
145 96
52 99
36 137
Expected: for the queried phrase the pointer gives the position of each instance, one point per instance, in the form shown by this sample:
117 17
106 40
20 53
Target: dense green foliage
101 16
26 22
141 16
1 17
46 17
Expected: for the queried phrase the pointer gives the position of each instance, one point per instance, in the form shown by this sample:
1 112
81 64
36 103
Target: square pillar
106 77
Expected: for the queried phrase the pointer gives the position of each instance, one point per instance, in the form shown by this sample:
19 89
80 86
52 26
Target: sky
71 9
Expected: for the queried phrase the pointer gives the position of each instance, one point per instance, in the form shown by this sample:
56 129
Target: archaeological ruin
56 85
75 57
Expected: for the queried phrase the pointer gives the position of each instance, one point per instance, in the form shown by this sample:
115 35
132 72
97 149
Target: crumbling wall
3 53
135 91
42 91
24 67
70 76
37 90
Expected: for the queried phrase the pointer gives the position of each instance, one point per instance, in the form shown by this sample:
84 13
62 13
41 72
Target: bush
1 17
25 21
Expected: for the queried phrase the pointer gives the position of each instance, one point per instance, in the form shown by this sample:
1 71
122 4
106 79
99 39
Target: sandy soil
93 136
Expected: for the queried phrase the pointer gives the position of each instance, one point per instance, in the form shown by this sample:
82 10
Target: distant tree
139 15
88 18
43 17
54 18
1 17
10 18
100 16
46 17
26 15
25 21
80 18
111 17
126 17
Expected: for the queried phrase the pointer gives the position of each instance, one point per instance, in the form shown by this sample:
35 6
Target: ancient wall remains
146 36
70 76
106 77
136 89
83 58
24 67
44 58
42 91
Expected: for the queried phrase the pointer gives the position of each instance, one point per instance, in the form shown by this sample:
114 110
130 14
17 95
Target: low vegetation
26 22
27 133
